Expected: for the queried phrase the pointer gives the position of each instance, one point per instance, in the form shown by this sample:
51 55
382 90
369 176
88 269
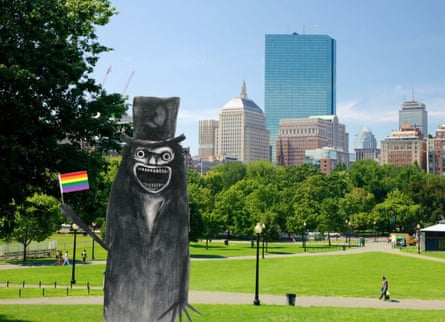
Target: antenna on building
316 29
304 29
243 90
413 95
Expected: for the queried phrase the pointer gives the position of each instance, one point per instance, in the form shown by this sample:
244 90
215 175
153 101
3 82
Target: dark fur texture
147 272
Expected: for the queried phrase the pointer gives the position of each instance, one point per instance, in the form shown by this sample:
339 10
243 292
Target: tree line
368 197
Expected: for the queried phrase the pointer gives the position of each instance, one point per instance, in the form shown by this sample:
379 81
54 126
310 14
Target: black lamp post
350 233
263 228
258 231
93 226
418 238
73 272
375 231
304 236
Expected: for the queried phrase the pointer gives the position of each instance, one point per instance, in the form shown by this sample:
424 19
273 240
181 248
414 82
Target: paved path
206 297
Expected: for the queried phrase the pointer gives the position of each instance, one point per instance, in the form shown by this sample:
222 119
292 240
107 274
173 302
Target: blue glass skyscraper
299 79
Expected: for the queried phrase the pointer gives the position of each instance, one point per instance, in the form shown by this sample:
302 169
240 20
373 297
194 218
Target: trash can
291 298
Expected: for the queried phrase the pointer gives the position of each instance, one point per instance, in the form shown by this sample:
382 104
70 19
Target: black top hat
154 119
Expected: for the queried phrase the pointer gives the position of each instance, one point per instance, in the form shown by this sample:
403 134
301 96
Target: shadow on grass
5 318
206 256
279 253
31 263
209 247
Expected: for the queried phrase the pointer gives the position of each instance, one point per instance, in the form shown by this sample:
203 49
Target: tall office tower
296 136
365 145
242 132
404 147
299 79
414 114
436 152
207 138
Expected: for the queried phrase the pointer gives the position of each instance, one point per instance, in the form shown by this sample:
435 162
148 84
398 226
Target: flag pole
61 189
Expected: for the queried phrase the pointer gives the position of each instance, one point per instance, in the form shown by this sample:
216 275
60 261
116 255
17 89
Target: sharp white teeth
153 170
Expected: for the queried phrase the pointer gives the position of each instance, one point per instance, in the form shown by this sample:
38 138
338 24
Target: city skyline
201 52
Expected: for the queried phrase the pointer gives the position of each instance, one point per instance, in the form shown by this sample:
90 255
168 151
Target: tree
369 175
231 173
54 117
35 219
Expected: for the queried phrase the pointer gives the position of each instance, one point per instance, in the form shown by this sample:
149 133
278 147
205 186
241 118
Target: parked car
331 235
314 235
401 239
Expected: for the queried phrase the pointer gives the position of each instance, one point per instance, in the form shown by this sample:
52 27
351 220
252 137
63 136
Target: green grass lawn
330 275
337 275
354 275
232 313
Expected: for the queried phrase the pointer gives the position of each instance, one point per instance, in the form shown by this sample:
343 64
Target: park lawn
232 313
50 275
217 249
353 275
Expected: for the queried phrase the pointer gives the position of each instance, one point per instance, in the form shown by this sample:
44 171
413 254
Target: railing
34 250
41 290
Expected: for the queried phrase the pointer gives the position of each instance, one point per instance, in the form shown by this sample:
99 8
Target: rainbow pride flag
74 181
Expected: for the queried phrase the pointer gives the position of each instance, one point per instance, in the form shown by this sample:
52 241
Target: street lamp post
304 236
258 231
73 272
93 226
418 238
263 228
350 233
375 231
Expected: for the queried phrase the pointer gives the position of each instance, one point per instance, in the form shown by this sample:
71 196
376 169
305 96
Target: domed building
365 139
242 132
365 145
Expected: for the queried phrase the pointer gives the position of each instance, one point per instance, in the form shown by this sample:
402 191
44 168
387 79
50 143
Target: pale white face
151 168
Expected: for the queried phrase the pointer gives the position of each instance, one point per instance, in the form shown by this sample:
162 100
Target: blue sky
202 50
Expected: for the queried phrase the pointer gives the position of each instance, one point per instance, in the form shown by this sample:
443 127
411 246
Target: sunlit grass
232 313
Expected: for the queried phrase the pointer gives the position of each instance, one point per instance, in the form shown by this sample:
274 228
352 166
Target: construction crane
128 83
106 76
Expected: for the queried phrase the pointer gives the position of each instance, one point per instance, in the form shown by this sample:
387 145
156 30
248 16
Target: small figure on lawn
384 294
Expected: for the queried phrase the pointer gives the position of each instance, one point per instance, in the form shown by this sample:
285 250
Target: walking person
84 256
384 289
66 260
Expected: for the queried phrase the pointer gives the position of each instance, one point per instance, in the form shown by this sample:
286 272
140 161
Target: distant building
296 136
365 145
433 238
240 134
404 147
208 130
326 159
300 78
436 152
414 114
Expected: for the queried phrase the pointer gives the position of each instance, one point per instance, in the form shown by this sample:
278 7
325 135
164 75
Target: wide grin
153 179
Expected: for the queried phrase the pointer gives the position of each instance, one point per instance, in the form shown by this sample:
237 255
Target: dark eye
166 156
140 154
